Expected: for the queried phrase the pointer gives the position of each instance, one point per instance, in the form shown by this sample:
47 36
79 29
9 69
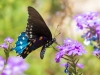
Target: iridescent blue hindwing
21 43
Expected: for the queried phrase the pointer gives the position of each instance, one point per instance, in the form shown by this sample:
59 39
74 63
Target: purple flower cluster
69 47
15 66
86 20
8 39
6 43
91 23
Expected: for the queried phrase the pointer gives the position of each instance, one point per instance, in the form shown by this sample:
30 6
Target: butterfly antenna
56 30
57 34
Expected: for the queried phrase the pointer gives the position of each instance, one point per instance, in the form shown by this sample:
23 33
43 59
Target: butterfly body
37 34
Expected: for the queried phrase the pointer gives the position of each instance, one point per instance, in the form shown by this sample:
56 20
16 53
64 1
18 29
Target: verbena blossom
15 66
4 46
80 65
7 43
86 19
66 65
1 63
66 68
96 52
70 50
8 39
7 46
90 22
69 47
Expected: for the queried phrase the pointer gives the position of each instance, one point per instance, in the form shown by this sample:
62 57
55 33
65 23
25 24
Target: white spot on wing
21 42
20 47
23 38
30 36
30 32
25 35
31 26
30 29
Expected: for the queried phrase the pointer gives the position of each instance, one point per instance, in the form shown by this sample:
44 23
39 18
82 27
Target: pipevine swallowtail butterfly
37 34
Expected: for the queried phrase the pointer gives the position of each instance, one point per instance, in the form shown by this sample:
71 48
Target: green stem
7 55
74 65
5 63
3 69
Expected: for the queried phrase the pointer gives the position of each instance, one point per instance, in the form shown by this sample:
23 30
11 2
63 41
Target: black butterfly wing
36 26
33 45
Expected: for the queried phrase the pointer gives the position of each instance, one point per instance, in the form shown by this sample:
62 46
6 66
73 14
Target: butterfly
37 34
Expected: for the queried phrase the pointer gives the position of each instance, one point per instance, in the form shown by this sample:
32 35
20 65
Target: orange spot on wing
25 52
34 41
27 48
41 38
30 44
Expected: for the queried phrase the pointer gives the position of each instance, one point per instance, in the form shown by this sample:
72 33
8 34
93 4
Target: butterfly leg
42 52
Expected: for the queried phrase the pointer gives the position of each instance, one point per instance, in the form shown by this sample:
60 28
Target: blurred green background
13 20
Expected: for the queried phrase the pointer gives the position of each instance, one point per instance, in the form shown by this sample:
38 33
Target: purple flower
66 65
4 45
79 65
87 20
15 66
16 63
98 28
1 63
8 39
70 47
91 24
83 20
96 53
7 43
58 56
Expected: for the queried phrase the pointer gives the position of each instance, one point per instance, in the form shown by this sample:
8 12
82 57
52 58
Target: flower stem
74 64
3 68
7 55
5 63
